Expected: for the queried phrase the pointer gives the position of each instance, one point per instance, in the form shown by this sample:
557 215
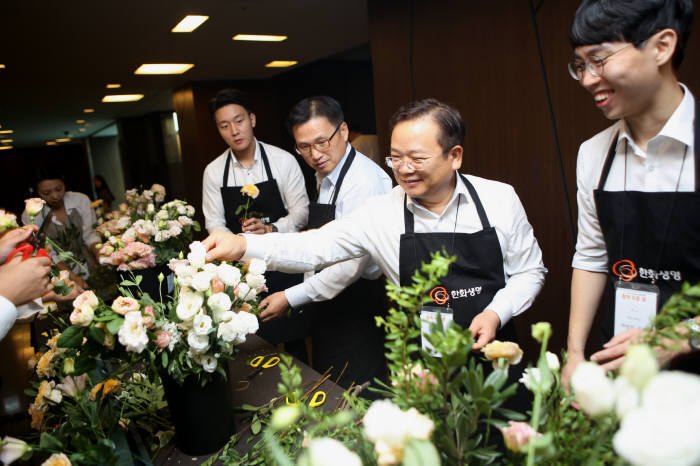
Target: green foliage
683 305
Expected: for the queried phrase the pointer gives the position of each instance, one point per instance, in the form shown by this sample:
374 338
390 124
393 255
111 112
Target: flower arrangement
145 232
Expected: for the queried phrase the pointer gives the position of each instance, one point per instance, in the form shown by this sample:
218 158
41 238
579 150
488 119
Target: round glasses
412 164
577 68
320 145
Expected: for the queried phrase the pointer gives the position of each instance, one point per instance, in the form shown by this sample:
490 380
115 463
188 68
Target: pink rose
217 286
162 339
122 305
517 435
149 317
86 298
82 316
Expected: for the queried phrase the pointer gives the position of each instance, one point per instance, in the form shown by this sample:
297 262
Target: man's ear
252 119
664 43
455 156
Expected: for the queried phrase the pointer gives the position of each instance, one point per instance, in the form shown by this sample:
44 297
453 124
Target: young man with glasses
281 205
343 328
498 271
638 199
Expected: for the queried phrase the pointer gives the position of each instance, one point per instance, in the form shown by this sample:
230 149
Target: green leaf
113 326
49 442
256 427
72 337
84 364
420 453
164 358
96 334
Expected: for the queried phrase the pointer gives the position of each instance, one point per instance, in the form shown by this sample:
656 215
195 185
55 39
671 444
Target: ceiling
59 56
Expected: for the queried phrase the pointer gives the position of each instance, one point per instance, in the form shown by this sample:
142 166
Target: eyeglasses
321 145
594 66
411 164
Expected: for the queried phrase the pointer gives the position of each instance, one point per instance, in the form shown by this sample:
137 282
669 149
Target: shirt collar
679 126
256 156
332 177
460 190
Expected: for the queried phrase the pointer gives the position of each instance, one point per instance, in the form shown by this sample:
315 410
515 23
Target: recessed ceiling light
88 110
5 147
113 86
80 122
189 23
51 143
62 140
6 141
259 37
281 63
82 130
2 67
122 98
6 131
163 68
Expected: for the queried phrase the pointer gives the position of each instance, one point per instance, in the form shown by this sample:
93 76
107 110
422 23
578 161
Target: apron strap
263 155
341 176
608 162
224 183
696 143
408 215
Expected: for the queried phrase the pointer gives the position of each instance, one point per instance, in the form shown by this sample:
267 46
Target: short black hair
634 21
448 119
312 107
229 96
48 172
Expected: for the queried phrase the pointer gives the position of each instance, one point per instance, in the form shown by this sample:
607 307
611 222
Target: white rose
34 205
123 223
208 362
211 268
254 280
227 331
12 449
150 208
189 304
219 303
242 290
626 397
201 324
189 211
640 365
229 274
82 316
147 194
531 375
197 254
247 321
162 215
651 436
593 391
184 221
198 343
182 210
418 426
257 266
329 452
132 334
672 389
201 281
552 361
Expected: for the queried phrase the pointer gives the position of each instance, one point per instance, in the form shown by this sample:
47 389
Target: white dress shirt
658 169
375 228
8 315
363 180
78 202
286 172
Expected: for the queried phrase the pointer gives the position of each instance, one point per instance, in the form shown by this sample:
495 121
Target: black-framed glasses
320 145
594 66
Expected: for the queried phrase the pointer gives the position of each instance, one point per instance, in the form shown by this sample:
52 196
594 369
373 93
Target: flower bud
541 331
284 417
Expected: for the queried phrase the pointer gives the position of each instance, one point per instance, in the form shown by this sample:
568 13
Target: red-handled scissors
27 251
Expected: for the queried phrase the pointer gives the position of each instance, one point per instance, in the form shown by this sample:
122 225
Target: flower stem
537 406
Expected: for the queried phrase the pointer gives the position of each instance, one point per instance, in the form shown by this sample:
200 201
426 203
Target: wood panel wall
482 58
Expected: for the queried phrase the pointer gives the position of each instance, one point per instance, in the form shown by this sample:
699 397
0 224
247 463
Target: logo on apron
624 269
439 295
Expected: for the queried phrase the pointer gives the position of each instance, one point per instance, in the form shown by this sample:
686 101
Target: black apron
268 206
479 265
343 329
661 232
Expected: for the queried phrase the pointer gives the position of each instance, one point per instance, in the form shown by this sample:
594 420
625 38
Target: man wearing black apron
499 268
342 332
638 181
281 205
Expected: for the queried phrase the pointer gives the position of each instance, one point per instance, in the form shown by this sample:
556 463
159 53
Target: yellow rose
108 387
250 190
503 349
37 414
57 459
44 368
97 203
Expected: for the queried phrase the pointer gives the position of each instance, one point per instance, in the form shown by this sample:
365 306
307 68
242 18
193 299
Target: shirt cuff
502 307
255 246
8 315
297 296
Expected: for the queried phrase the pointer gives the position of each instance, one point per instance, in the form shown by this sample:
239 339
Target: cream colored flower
593 391
250 190
329 452
197 254
82 316
57 459
189 304
88 298
228 274
33 206
124 304
12 450
257 266
503 349
640 365
132 333
517 435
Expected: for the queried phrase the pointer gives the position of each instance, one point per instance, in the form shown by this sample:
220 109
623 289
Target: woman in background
103 192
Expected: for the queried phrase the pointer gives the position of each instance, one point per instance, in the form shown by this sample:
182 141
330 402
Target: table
262 388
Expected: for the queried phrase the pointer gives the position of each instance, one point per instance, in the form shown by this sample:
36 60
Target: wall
482 58
106 161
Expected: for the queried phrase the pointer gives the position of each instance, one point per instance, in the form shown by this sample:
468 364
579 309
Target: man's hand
23 281
612 355
572 362
225 246
254 225
12 238
484 327
275 306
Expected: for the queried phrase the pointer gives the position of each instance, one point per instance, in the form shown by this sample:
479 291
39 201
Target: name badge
635 305
428 316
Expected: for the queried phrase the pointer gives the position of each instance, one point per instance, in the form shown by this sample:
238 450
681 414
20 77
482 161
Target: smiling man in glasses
498 269
638 200
343 328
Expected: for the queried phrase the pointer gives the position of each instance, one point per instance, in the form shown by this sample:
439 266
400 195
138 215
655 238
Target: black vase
202 415
149 281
